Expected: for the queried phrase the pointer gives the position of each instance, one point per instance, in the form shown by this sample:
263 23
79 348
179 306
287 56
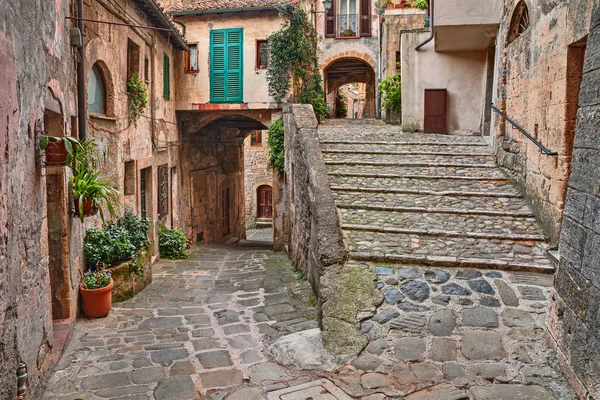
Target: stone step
440 210
402 142
367 191
419 171
439 186
525 255
408 159
414 149
429 200
435 224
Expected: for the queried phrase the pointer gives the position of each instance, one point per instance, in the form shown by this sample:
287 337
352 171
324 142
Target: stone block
480 316
513 317
444 391
442 349
507 294
375 380
176 388
504 391
214 359
410 349
453 370
221 378
105 381
442 323
482 345
488 371
147 375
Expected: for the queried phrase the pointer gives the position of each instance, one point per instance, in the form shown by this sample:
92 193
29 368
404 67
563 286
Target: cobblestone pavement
200 327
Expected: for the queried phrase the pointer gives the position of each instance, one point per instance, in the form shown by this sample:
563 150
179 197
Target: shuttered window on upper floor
226 65
166 77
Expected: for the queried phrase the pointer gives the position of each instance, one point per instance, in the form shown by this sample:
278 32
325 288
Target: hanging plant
138 98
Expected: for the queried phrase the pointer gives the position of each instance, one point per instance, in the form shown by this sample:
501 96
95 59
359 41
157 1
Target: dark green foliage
341 109
118 242
276 146
172 243
293 61
96 279
391 92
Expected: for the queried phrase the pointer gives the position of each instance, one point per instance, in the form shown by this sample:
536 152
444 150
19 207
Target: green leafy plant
341 107
119 241
172 243
96 279
88 185
422 4
391 92
138 97
294 63
69 142
276 146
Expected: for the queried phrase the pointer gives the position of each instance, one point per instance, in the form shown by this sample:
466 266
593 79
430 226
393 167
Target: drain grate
316 390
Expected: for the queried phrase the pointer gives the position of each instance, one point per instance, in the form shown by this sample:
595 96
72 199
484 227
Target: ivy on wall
293 63
276 146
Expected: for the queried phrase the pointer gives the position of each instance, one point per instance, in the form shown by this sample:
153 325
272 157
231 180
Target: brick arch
349 55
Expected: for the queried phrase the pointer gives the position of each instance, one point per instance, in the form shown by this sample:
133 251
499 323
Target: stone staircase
425 199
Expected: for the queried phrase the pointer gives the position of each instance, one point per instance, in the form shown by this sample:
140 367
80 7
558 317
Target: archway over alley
348 70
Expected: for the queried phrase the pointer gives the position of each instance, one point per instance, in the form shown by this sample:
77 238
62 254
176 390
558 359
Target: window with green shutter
166 77
226 65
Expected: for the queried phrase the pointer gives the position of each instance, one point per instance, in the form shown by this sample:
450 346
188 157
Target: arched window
520 21
96 92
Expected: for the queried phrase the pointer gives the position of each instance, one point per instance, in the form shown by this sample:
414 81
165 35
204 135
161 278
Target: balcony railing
347 25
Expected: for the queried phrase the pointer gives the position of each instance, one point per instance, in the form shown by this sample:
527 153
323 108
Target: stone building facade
41 241
258 180
538 75
574 320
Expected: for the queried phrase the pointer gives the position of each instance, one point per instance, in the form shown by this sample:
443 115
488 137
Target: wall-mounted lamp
326 5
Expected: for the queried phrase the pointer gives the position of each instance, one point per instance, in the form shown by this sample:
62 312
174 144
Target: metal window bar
518 127
347 25
163 191
143 193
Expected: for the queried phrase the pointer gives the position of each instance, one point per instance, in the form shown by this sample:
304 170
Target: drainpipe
81 106
379 70
430 38
182 25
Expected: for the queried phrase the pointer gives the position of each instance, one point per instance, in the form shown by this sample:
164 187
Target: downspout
379 69
81 103
431 33
182 25
152 97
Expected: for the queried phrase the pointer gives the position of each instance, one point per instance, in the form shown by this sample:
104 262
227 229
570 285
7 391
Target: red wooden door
436 101
264 195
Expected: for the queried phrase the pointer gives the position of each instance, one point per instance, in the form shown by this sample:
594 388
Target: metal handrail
527 135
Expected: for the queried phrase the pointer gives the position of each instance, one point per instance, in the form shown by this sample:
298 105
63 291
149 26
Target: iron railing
518 127
347 25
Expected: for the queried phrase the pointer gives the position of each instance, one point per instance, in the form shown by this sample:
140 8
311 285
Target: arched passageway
212 166
344 71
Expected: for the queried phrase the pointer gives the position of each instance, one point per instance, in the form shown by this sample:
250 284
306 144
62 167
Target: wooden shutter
217 66
226 66
365 18
330 20
234 65
166 77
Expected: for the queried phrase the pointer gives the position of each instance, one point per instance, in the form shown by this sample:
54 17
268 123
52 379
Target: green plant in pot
91 193
58 149
420 4
95 289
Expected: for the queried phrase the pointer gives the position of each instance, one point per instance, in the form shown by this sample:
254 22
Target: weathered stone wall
396 21
314 240
37 73
575 318
537 86
256 173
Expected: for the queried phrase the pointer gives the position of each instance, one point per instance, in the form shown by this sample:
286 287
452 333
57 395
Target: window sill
256 145
103 117
192 72
347 37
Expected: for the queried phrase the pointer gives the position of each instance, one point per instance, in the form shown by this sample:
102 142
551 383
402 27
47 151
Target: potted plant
58 149
95 289
420 4
91 192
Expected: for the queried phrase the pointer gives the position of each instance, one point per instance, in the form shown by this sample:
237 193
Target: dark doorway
264 196
436 101
353 71
225 210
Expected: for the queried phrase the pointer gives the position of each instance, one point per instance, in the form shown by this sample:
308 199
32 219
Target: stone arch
343 70
349 54
108 85
520 21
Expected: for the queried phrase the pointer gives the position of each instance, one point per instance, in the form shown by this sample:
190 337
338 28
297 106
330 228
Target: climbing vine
293 63
391 92
138 97
276 146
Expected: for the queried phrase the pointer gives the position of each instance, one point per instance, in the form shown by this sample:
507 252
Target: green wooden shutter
166 77
226 66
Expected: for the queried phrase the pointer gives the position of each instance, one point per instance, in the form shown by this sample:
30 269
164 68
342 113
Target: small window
520 21
398 60
256 138
133 58
146 70
166 77
163 191
191 59
262 54
96 92
129 178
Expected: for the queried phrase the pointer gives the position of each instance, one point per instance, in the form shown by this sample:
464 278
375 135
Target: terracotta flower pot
89 208
96 302
56 154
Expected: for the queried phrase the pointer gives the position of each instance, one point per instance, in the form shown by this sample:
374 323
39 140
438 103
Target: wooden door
436 101
225 212
264 195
